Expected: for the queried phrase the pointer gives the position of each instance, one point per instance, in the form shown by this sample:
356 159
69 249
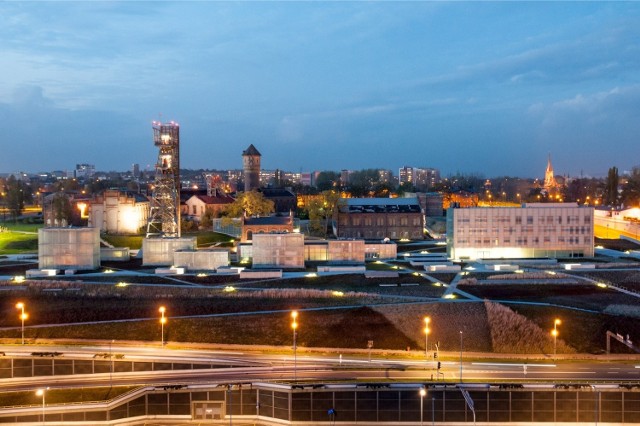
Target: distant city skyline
487 88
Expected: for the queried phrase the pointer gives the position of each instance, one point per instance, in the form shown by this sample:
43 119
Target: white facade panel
69 248
542 230
159 251
201 259
278 250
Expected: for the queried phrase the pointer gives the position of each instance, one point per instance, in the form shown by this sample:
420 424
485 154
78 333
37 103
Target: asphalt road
250 366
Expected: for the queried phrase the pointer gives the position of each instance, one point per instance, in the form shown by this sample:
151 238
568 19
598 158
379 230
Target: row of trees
630 194
15 194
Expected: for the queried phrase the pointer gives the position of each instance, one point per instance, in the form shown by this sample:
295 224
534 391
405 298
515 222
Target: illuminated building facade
84 171
164 218
533 230
265 225
379 218
196 205
421 178
119 212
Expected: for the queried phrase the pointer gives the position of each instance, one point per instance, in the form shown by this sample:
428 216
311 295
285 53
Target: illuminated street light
163 320
427 320
23 316
294 326
423 392
41 392
554 333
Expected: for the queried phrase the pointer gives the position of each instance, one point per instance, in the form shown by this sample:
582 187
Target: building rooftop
251 151
379 205
269 220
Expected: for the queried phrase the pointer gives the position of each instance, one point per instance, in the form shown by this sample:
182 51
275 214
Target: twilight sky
470 87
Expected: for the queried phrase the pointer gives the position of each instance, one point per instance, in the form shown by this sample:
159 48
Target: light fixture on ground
163 320
23 317
41 392
554 333
427 320
294 326
423 392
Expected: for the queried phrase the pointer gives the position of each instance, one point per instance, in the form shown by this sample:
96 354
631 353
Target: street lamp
460 356
423 392
427 320
23 316
554 333
111 359
163 320
41 392
294 326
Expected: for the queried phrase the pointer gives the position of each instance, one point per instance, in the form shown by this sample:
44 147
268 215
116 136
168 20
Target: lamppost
554 333
427 320
41 392
433 411
460 356
423 392
23 316
111 358
294 326
163 320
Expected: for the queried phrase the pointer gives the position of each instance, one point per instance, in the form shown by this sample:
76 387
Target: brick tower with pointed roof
251 168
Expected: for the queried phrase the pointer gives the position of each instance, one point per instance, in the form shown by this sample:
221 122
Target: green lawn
23 227
15 242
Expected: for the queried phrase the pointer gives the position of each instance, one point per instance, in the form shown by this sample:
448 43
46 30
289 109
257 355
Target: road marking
498 364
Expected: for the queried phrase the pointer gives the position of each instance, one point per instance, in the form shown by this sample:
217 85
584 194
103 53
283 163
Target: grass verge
59 396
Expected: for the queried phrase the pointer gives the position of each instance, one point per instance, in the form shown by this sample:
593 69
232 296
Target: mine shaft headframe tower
164 217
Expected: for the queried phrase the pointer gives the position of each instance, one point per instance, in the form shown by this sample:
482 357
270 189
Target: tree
206 220
610 196
15 197
252 203
327 180
320 210
62 209
631 190
361 182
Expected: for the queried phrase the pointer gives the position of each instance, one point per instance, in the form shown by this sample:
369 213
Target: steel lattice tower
164 218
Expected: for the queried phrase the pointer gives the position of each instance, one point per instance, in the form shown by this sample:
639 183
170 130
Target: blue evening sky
470 87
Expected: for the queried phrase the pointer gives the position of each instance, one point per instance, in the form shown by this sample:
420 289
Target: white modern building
533 230
282 250
69 248
278 251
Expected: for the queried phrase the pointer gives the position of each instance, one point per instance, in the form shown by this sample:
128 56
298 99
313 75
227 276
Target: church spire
550 183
